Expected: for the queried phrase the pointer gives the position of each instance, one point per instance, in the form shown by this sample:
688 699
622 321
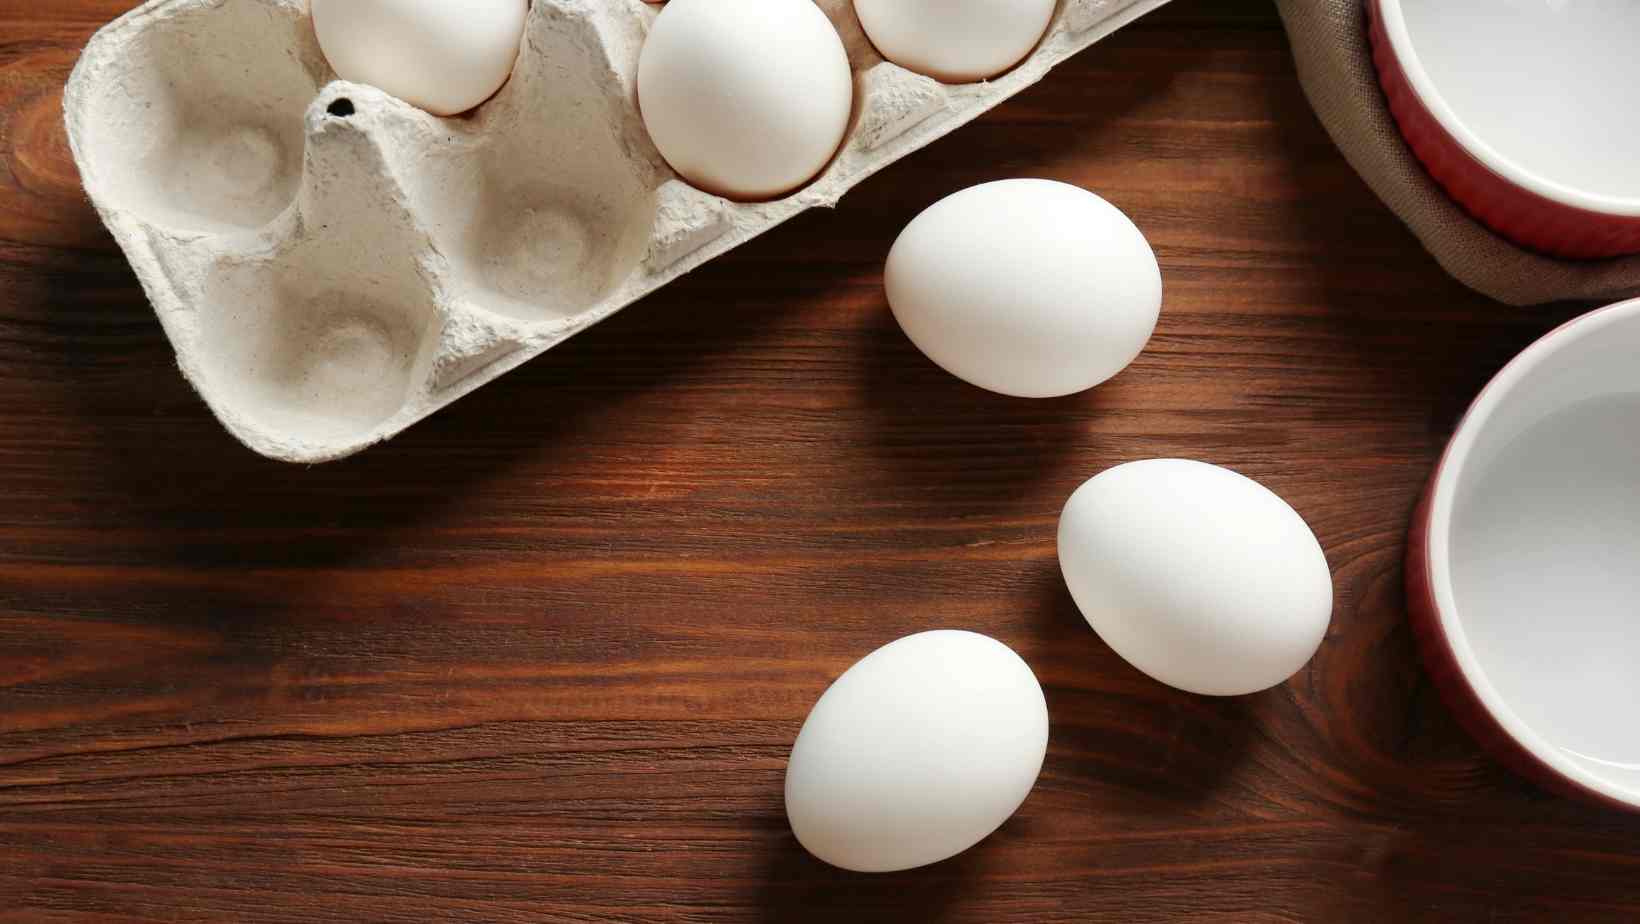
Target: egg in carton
332 265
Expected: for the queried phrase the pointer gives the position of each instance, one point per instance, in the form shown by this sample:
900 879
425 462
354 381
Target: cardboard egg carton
333 265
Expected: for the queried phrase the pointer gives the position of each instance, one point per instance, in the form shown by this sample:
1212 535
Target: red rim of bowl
1529 209
1433 608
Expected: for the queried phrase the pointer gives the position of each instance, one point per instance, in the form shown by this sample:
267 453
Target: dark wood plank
541 657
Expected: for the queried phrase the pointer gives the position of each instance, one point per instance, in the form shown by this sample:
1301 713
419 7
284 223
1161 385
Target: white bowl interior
1548 85
1538 510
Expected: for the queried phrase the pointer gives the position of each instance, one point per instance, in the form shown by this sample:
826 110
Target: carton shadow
158 447
1123 736
927 427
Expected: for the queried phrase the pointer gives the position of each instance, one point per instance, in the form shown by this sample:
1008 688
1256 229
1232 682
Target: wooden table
542 657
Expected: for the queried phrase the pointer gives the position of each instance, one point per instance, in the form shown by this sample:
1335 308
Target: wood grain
541 657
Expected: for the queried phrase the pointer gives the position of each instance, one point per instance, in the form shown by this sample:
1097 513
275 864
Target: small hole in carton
341 107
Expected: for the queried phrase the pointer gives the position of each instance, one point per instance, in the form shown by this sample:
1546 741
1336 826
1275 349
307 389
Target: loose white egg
442 56
1030 288
748 99
917 752
1198 576
957 41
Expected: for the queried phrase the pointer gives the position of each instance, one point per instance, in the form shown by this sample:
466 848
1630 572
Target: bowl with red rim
1523 563
1527 112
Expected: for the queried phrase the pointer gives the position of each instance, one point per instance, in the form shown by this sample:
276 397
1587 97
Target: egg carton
332 265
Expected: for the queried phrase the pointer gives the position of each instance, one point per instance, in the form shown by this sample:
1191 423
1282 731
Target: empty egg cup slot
202 130
544 209
315 361
541 253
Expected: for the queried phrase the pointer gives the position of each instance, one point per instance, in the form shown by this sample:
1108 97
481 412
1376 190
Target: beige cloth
1329 39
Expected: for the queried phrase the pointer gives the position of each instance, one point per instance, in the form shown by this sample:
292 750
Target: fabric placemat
1329 39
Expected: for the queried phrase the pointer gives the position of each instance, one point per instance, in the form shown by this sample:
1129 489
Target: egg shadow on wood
929 428
1399 752
797 887
1115 735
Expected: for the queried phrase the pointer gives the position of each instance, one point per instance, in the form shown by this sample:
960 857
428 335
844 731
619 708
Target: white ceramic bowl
1524 565
1527 111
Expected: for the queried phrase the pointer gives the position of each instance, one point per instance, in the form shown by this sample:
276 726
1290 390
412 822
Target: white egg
1200 577
957 41
442 56
1030 288
748 99
917 752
